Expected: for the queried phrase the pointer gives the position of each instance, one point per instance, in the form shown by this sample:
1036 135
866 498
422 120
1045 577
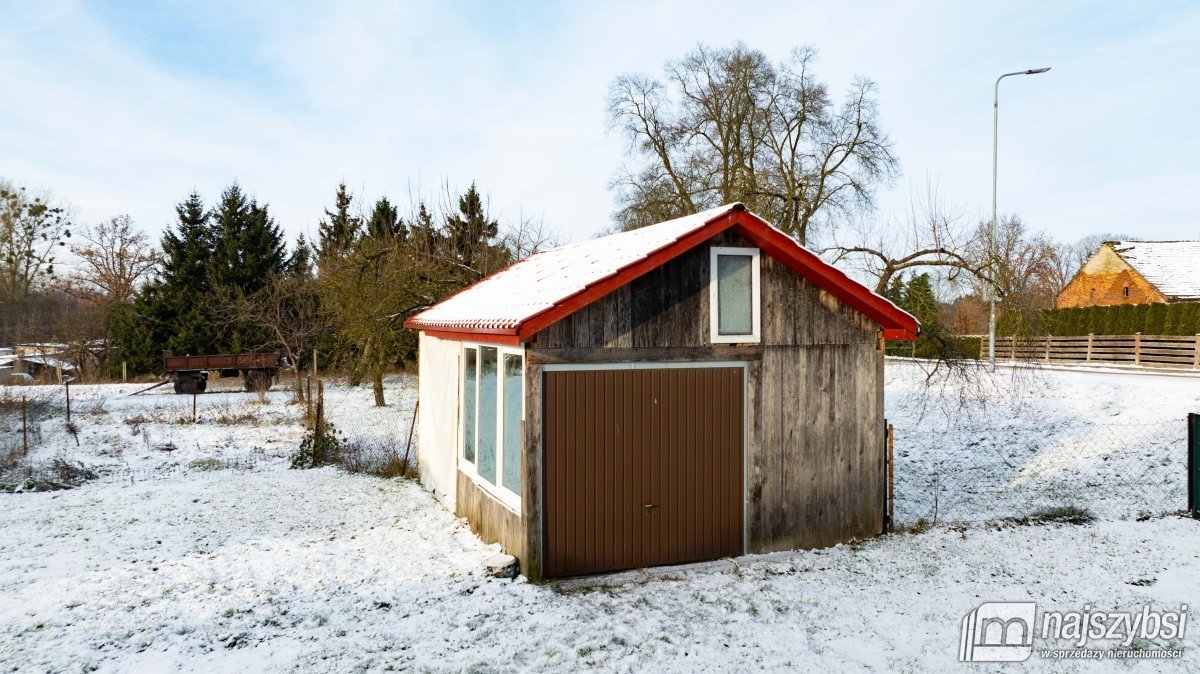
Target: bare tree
1024 273
286 310
727 125
930 236
526 235
32 229
114 258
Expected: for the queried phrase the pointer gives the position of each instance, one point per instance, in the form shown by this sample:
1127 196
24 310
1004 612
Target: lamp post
995 148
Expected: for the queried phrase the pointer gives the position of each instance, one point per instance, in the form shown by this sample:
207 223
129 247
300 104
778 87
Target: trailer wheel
188 384
257 380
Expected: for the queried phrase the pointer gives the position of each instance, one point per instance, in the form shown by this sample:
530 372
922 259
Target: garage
693 390
644 465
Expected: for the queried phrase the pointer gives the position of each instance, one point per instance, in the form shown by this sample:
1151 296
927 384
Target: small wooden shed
697 389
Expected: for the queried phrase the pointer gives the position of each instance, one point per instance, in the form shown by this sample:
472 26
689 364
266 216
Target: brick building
1136 272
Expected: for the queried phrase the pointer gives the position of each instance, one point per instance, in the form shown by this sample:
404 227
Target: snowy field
205 568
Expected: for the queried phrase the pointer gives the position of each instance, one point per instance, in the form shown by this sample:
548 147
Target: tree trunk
378 382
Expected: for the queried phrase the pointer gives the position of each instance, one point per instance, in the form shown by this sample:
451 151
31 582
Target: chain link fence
1111 471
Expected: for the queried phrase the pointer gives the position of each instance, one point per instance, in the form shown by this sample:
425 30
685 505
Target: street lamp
995 146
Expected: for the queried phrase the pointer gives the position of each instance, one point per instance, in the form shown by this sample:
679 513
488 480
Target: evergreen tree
300 261
177 306
385 222
1156 319
473 238
171 312
338 232
248 245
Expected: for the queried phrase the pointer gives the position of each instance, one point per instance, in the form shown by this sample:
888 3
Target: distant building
1136 272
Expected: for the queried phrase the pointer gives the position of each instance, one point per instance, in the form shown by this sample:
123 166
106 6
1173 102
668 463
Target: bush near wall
1176 318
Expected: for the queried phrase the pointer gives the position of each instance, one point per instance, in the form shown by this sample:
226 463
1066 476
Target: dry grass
382 457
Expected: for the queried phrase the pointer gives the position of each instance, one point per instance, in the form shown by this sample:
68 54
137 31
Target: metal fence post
24 428
1193 465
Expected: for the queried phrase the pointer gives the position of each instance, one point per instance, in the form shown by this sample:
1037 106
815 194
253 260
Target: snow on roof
515 298
510 297
47 361
1171 266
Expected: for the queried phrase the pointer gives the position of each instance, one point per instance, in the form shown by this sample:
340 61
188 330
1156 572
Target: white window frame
499 491
755 296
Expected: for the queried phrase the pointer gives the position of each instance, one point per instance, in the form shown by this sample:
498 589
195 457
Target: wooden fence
1139 349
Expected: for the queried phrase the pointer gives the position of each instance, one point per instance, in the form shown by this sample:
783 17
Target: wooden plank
532 483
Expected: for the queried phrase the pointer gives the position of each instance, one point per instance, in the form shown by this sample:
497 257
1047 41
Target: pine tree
339 230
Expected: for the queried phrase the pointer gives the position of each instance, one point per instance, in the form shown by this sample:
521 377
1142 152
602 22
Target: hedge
1176 318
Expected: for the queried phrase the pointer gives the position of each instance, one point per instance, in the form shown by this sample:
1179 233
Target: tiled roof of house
1171 266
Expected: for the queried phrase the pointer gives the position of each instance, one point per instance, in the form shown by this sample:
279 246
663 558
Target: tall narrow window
470 376
488 384
514 403
734 294
493 417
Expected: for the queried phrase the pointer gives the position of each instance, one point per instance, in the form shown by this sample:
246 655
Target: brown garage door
643 467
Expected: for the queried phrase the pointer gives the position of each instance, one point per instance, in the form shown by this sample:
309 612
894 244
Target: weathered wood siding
814 417
490 519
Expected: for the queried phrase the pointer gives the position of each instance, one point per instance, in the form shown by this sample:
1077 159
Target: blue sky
125 107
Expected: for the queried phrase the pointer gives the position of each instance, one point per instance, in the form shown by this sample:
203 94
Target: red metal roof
513 304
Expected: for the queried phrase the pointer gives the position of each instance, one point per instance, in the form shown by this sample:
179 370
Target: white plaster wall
437 420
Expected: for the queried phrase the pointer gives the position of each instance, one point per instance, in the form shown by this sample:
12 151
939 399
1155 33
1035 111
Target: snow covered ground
1019 440
278 570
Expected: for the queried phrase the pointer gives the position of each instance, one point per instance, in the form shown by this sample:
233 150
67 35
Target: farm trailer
190 373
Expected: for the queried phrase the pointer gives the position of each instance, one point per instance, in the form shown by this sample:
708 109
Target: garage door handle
649 506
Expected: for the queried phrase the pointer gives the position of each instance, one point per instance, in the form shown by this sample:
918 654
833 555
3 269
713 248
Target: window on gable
734 294
493 414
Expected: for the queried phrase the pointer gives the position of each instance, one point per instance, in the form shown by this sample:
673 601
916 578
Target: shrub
56 475
320 447
1067 514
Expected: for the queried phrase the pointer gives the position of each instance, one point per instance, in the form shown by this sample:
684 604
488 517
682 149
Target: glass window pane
487 414
734 295
468 398
514 393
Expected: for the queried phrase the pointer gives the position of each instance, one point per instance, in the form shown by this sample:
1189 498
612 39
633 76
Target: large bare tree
726 124
114 257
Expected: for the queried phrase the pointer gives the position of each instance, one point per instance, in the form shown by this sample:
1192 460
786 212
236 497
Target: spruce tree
339 230
473 237
178 306
248 245
385 222
171 313
300 261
